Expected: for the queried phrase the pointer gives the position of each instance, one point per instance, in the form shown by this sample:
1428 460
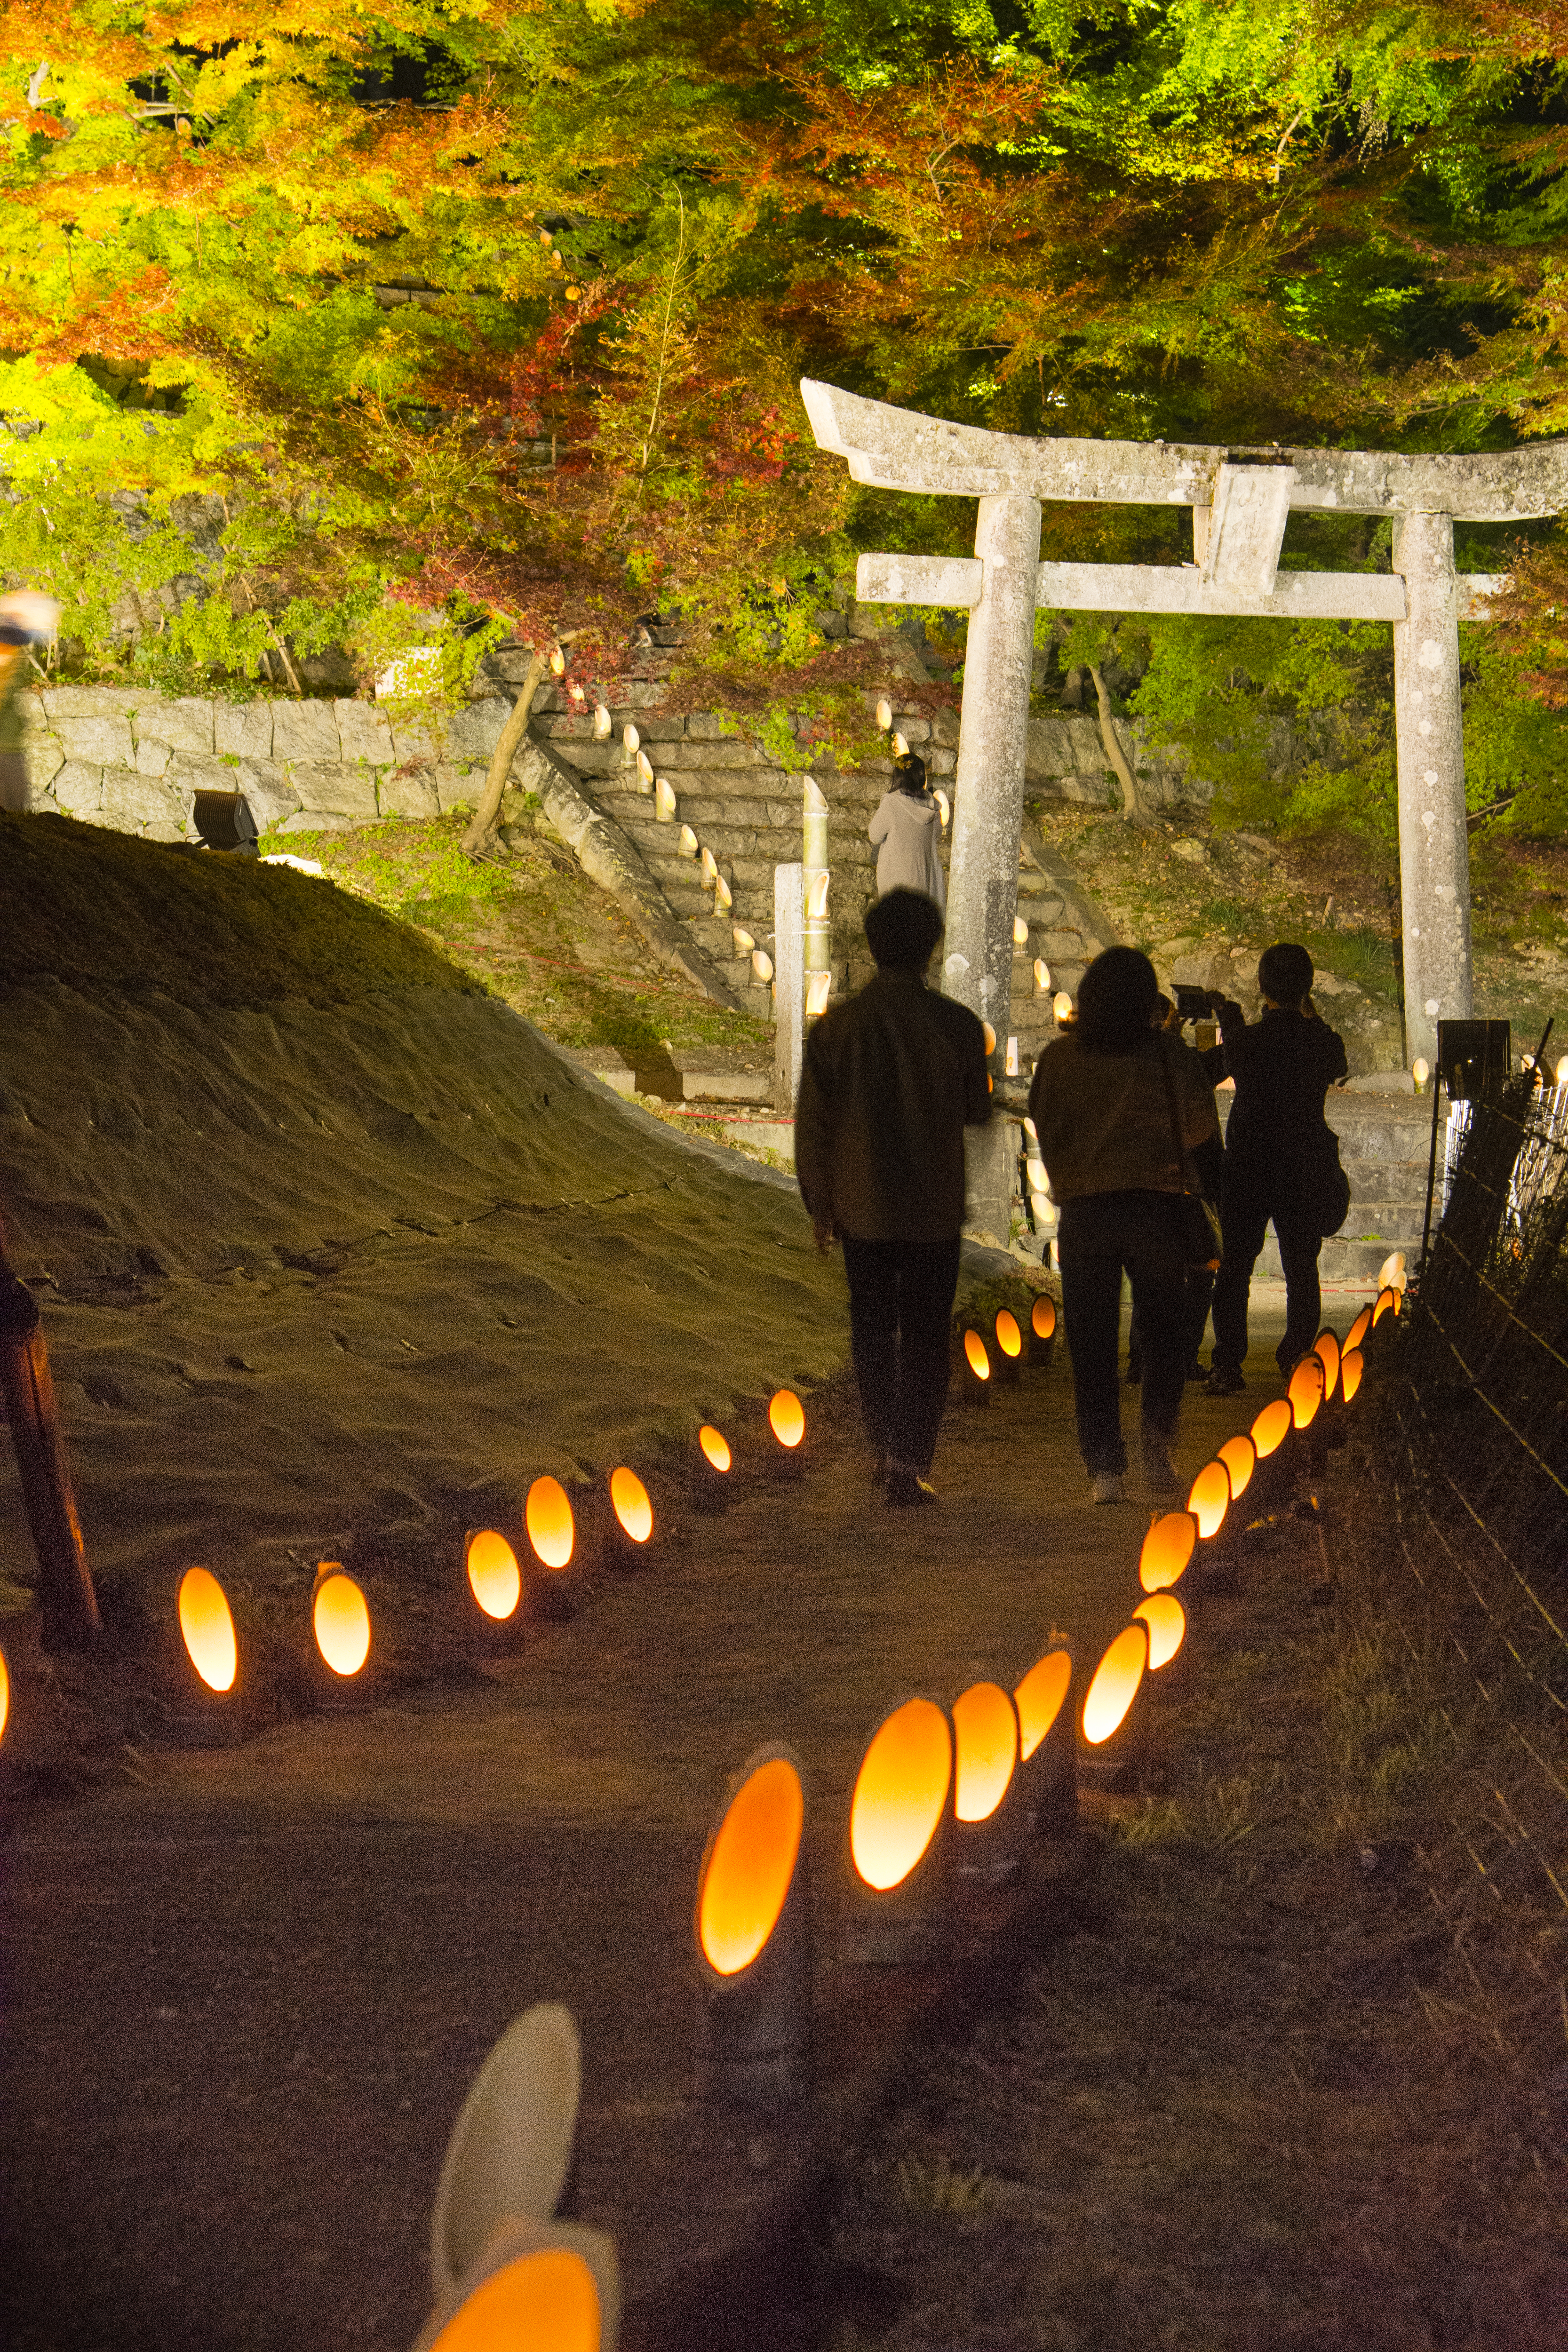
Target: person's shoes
1160 1478
1196 1371
1109 1486
1224 1380
906 1492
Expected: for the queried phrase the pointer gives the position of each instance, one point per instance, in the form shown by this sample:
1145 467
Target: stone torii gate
1240 500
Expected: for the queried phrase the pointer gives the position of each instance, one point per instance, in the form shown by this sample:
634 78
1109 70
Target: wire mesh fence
1468 1551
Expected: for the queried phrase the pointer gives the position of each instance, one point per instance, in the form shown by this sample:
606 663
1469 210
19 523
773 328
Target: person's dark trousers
1245 1222
1198 1290
900 1315
1099 1236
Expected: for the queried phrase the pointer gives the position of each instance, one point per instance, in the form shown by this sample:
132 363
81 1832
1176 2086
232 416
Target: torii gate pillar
1434 846
987 811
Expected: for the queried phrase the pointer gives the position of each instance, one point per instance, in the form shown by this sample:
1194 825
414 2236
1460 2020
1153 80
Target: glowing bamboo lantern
552 2284
724 897
1042 1328
900 746
509 2152
664 801
1042 977
602 723
895 1810
1009 1345
711 1466
1210 1498
1167 1550
709 867
943 809
495 1579
206 1627
744 942
1353 1364
990 1037
762 967
645 772
1391 1272
341 1620
630 737
1420 1070
750 1928
1271 1428
547 1516
1166 1621
884 715
1038 1699
686 843
817 898
1240 1458
977 1388
1326 1348
1107 1704
1305 1391
1061 1007
786 1419
1387 1303
1048 1756
629 1502
989 1833
5 1694
557 659
1020 932
1358 1330
818 987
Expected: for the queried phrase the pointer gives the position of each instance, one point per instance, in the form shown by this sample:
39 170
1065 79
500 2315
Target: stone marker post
988 810
815 878
789 985
1434 847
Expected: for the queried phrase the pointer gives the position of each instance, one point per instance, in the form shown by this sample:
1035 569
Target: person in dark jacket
1281 1160
1117 1108
891 1078
1208 1168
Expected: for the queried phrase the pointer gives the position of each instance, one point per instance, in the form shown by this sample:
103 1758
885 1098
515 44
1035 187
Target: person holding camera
1281 1160
1119 1109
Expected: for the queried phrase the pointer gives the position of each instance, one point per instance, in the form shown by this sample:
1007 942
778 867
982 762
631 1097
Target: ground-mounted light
1042 1328
711 1464
1272 1437
552 1530
1388 1303
1240 1458
751 1935
1326 1348
550 2284
977 1385
1353 1364
495 1579
1047 1762
988 1832
1061 1008
1210 1499
206 1628
786 1419
1271 1428
1109 1732
631 1508
1042 977
1391 1272
200 1703
510 2151
1009 1345
1358 1330
339 1620
5 1694
1167 1550
897 1810
1304 1392
1166 1621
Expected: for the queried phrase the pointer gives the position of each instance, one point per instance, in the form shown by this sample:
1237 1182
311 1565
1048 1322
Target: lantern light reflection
901 1792
1240 1458
1166 1620
629 1498
341 1620
1210 1498
548 1518
985 1745
207 1628
715 1446
750 1867
786 1418
1167 1549
494 1576
1115 1685
1038 1699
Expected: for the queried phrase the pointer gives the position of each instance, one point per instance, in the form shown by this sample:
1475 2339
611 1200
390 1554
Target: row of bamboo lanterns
666 811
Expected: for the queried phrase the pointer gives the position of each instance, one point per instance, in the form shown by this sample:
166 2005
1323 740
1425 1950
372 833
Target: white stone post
989 800
815 878
1434 850
789 986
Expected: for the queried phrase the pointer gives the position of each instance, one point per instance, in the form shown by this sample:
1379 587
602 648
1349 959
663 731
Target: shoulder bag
1202 1245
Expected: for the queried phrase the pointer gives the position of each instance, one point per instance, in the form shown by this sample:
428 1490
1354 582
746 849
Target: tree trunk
482 824
1113 751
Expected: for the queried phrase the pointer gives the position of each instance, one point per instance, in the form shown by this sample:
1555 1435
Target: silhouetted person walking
891 1078
1281 1160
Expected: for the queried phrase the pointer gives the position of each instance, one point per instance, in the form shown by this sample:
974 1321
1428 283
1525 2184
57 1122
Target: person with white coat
907 829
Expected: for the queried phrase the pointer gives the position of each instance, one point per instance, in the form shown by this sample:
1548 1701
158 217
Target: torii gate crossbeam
1241 500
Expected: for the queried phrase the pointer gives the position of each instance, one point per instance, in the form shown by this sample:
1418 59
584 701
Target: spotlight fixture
510 2148
754 1957
896 1810
988 1834
552 2284
1009 1345
1047 1762
1107 1712
547 1516
1042 1328
1166 1623
711 1461
1167 1550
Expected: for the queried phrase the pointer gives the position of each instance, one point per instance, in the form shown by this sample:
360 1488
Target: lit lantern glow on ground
974 1350
1115 1685
786 1418
750 1867
4 1693
548 2299
494 1576
1305 1390
1038 1699
208 1629
1210 1498
341 1620
1166 1620
1009 1338
985 1749
715 1446
1240 1458
1043 1318
1352 1366
900 1791
1326 1348
1272 1427
1387 1303
629 1497
1358 1330
548 1518
1167 1549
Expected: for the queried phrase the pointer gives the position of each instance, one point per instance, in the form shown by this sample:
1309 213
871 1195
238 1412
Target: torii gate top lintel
899 449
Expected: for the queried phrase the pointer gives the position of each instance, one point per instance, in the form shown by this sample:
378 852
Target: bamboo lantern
943 809
897 1808
1240 1458
710 1462
1061 1007
686 846
988 1834
630 737
557 659
664 801
1020 932
1352 1366
1047 1760
1420 1071
762 966
1391 1272
339 1618
817 898
1326 1348
752 1957
1272 1427
1167 1550
900 747
818 988
1042 1328
1387 1303
510 2151
722 899
206 1627
629 1502
645 772
1305 1391
1104 1728
1042 977
1210 1499
977 1388
884 715
786 1419
603 723
547 1516
709 867
1166 1621
990 1037
552 2284
1009 1345
1358 1330
495 1579
744 942
5 1694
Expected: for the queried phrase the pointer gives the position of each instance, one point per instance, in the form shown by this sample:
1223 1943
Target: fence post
789 985
66 1597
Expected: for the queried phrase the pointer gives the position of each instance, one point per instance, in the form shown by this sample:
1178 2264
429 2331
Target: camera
1197 1003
